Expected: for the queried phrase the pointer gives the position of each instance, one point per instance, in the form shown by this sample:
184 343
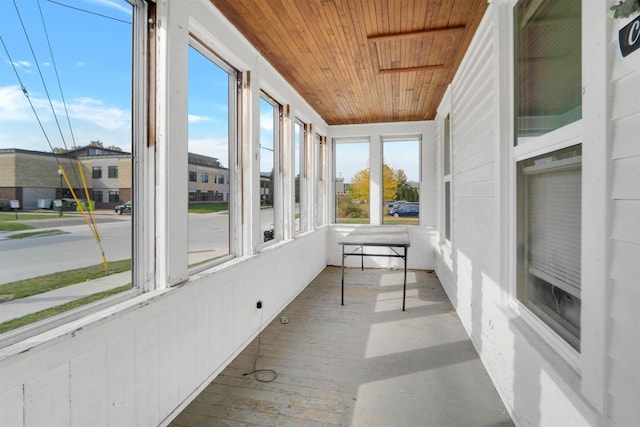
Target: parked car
397 203
406 209
126 207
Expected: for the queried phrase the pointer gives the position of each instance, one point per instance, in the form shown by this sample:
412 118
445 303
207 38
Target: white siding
474 226
623 314
539 384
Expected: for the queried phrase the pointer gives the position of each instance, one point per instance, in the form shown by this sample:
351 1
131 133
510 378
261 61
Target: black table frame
359 251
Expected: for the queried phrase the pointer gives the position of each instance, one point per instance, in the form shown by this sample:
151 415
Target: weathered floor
363 364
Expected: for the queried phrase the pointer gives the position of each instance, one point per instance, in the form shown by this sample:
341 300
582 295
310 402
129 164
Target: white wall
541 383
622 314
135 363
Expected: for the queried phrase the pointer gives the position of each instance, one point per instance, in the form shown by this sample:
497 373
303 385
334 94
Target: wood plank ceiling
361 61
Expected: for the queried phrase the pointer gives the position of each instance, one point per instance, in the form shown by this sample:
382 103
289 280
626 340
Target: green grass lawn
37 285
10 216
8 221
34 233
49 312
205 208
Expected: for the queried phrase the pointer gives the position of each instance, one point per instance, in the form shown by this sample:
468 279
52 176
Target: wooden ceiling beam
417 34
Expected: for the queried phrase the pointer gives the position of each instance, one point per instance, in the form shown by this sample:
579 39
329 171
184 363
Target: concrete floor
363 364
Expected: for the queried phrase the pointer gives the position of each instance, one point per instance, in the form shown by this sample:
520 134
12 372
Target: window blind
554 226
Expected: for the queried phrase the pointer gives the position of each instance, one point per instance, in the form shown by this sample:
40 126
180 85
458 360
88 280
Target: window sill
553 343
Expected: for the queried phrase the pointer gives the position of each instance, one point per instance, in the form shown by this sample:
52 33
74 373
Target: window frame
300 156
335 143
446 179
233 117
417 138
96 172
557 139
278 128
112 172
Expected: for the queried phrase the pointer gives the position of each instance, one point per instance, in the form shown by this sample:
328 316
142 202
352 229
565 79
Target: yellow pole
94 230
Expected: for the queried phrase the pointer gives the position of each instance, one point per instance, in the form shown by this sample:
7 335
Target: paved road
76 246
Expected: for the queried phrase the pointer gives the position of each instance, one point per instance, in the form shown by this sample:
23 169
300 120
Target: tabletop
390 236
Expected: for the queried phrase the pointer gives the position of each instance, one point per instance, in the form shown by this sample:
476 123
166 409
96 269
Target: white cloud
198 119
22 63
13 104
88 116
212 147
93 111
266 121
81 64
114 4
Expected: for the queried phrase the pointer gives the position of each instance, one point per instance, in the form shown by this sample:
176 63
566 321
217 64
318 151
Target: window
352 182
548 95
319 178
268 164
549 213
113 171
220 179
401 181
548 66
446 178
113 110
211 105
300 130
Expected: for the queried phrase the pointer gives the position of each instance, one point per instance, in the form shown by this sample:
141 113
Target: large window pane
549 218
401 182
352 182
209 141
269 140
69 143
318 179
548 66
299 176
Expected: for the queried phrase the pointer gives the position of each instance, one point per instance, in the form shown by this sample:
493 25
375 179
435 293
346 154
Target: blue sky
352 157
92 55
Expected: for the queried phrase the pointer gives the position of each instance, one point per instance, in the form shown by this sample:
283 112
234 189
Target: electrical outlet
259 304
284 320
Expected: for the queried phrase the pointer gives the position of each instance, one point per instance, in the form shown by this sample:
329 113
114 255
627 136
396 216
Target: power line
44 84
26 94
89 12
55 69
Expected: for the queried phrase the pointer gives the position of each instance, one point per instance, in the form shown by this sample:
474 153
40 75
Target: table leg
404 286
342 282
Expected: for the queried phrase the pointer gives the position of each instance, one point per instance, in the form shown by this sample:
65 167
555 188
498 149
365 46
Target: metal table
393 237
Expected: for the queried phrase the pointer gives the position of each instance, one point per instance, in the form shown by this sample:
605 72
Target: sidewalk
21 307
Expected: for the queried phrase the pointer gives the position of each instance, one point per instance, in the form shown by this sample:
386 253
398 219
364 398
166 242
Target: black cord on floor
272 374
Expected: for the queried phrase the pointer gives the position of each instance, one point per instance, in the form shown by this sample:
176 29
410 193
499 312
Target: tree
114 148
390 182
359 188
97 143
404 190
59 150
